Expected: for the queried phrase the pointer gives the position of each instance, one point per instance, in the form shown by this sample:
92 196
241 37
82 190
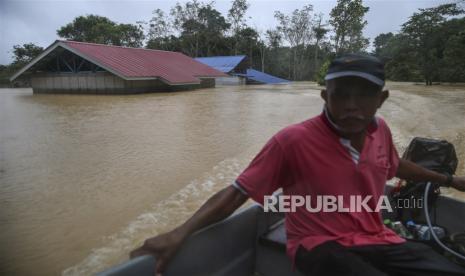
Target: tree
236 16
160 28
273 38
99 29
128 35
401 59
423 32
428 48
453 66
25 53
160 25
187 22
348 23
381 43
5 73
247 44
261 45
321 74
181 14
213 27
90 28
297 30
167 43
320 32
22 54
190 37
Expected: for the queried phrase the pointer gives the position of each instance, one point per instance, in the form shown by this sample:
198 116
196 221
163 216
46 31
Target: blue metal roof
263 77
224 64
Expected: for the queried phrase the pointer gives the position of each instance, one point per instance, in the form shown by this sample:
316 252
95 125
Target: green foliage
423 32
321 73
236 19
237 13
201 28
128 35
319 31
5 73
294 50
399 56
381 42
274 38
159 26
453 67
297 30
25 53
22 54
348 23
429 48
99 29
248 41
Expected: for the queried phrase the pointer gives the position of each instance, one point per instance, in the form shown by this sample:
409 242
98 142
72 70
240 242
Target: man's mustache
352 117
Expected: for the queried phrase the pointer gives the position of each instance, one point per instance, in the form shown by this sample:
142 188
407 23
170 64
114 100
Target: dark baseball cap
356 65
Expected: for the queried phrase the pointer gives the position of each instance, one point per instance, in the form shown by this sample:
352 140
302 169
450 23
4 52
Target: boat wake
162 217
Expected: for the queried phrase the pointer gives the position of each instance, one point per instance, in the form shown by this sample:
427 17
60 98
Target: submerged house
78 67
234 66
237 68
258 77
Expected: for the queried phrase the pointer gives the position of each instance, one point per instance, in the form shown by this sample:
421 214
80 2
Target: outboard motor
436 155
439 156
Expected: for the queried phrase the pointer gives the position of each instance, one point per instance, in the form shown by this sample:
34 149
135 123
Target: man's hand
163 247
458 183
410 171
218 207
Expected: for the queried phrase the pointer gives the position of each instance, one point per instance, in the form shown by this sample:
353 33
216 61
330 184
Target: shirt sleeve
267 172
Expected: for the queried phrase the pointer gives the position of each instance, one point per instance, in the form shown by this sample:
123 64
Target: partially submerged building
258 77
237 67
234 66
78 67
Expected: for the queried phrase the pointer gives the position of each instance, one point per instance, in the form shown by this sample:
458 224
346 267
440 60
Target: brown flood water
84 179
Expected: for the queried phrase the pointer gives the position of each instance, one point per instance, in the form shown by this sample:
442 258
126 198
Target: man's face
352 102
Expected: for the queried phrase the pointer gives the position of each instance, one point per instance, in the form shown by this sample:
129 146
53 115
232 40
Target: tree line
429 47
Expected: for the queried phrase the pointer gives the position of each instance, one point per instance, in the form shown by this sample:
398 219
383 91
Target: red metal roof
136 63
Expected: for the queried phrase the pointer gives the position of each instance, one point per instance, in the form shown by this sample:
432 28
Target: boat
252 242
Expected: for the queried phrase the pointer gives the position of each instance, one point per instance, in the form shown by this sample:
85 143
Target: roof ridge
115 46
223 56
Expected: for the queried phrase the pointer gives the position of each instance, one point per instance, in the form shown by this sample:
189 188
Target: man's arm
410 171
216 208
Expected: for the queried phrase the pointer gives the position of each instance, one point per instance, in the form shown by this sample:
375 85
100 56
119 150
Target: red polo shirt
308 159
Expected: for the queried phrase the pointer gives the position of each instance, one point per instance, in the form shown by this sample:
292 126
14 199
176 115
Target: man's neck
356 139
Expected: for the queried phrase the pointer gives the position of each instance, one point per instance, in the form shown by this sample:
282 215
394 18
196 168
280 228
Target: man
346 151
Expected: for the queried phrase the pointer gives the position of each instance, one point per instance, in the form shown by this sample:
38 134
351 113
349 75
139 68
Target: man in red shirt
345 152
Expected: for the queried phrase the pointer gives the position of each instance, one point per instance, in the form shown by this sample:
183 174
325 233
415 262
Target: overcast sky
36 21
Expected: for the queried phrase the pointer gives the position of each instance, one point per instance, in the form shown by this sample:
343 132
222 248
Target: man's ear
324 95
384 96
